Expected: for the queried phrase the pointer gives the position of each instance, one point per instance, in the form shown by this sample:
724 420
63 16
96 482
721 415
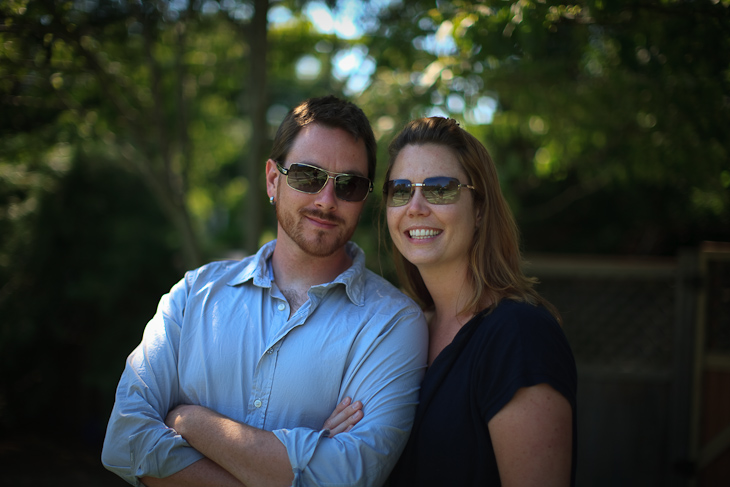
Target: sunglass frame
330 175
434 199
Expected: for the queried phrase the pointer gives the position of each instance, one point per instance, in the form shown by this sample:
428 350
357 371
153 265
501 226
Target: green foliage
127 126
594 100
85 277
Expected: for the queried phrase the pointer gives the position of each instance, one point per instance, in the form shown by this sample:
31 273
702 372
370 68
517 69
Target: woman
498 400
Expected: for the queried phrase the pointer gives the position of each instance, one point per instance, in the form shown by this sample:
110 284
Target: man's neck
296 271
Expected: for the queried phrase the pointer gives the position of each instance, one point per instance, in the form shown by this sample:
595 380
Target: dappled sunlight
308 68
134 136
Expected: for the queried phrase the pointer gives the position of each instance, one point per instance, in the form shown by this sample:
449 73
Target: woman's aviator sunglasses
437 191
311 180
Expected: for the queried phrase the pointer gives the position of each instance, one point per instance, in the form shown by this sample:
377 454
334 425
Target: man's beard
324 243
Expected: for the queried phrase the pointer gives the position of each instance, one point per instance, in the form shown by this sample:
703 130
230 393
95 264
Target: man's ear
272 178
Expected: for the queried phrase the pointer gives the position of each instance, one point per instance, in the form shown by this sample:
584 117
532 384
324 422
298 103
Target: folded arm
137 442
224 440
203 473
385 373
251 455
365 448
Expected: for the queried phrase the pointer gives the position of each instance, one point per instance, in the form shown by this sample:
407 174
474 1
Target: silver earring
271 200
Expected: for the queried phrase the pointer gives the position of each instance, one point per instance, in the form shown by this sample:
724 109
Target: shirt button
257 403
270 351
282 306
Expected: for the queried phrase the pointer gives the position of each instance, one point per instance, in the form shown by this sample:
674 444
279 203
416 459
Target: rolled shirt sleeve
137 442
386 378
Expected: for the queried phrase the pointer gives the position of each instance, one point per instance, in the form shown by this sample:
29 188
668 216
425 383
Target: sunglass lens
351 188
441 191
398 192
305 178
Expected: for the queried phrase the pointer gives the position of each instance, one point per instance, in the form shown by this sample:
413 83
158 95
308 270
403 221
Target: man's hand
344 417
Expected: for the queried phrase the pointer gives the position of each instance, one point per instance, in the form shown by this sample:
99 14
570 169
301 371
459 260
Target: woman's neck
450 290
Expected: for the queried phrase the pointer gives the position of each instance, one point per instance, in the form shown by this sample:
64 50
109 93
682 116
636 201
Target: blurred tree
80 291
175 90
258 99
184 94
100 67
133 137
126 134
626 102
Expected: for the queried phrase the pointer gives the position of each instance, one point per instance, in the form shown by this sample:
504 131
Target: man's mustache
321 215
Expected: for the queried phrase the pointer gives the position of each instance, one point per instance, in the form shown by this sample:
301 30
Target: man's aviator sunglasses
311 180
437 191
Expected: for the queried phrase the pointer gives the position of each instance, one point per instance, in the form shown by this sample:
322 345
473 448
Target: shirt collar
257 266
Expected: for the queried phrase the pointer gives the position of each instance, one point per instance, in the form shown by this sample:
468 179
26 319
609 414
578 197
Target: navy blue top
492 356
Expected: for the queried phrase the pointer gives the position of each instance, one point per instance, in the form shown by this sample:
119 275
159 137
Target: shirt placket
263 378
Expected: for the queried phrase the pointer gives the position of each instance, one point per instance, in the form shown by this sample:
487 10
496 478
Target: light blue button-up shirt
222 338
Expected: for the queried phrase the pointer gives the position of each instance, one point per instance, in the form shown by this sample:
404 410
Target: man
246 360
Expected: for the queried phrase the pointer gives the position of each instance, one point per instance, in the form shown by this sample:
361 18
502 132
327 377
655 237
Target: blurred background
133 138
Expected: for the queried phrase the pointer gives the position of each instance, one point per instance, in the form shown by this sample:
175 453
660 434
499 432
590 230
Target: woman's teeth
422 233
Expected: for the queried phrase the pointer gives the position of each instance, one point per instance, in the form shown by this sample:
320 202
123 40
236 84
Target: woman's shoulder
523 341
514 327
511 315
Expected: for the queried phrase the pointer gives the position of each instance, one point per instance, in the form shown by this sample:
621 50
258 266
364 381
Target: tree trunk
257 98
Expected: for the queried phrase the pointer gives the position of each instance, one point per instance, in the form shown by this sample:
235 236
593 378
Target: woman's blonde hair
495 261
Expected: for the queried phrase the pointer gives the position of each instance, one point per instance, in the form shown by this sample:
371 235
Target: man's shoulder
216 267
219 270
376 281
377 288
